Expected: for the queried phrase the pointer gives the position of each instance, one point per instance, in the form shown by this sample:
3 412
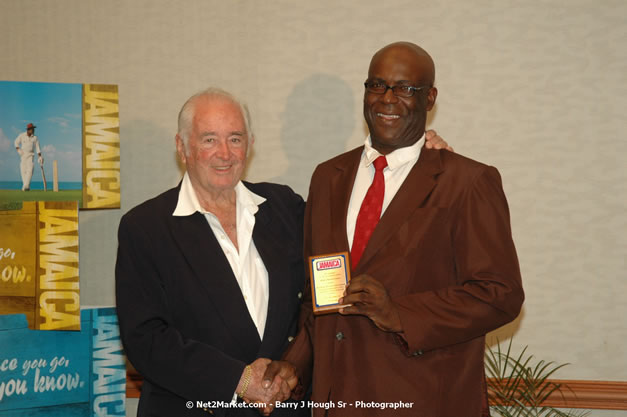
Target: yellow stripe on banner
101 146
58 289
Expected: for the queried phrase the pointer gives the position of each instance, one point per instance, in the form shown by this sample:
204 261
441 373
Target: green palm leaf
519 386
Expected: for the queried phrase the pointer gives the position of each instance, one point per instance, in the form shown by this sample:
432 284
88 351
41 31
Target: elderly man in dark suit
432 255
209 275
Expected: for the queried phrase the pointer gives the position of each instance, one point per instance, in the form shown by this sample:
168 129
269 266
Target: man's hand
19 151
40 160
269 382
368 297
433 141
253 391
283 374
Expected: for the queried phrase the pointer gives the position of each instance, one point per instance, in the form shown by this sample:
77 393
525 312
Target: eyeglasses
377 87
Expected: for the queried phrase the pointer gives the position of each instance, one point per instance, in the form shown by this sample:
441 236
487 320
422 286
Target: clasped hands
272 381
267 382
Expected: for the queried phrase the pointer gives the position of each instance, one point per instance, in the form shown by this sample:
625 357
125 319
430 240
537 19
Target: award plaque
329 276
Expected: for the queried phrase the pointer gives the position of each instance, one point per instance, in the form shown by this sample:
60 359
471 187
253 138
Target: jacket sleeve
489 291
165 357
300 350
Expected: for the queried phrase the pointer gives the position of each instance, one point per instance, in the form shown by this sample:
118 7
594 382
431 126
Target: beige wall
536 88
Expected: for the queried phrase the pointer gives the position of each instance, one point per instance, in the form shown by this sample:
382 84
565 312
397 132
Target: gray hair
186 115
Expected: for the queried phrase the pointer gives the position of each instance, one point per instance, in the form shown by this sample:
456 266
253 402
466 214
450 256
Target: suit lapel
341 190
413 194
271 247
213 271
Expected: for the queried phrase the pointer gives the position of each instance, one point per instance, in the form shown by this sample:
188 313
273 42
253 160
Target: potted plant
518 386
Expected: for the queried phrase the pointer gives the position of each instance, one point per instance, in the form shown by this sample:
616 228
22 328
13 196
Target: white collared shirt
400 162
247 265
28 144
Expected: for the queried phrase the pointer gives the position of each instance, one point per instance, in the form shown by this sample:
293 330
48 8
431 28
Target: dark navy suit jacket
183 319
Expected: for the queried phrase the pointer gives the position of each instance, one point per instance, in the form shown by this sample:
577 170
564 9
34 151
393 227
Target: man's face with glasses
397 97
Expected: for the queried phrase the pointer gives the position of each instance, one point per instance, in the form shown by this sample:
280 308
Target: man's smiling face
217 146
396 122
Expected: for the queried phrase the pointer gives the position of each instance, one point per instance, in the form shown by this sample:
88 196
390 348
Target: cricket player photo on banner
60 142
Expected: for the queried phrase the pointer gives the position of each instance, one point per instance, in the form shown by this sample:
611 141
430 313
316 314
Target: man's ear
180 148
433 94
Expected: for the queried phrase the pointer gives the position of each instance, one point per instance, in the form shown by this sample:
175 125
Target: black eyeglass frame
394 89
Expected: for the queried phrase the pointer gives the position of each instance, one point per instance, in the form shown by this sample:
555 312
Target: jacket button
339 336
289 339
417 353
300 295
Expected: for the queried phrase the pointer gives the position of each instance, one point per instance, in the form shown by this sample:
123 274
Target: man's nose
223 151
389 97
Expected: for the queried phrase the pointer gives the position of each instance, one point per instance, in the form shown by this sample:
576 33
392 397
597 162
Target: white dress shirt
27 144
400 162
247 266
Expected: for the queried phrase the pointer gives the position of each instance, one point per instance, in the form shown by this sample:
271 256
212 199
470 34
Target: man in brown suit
438 272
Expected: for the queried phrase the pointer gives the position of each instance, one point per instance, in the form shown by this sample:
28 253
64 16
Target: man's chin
385 141
223 183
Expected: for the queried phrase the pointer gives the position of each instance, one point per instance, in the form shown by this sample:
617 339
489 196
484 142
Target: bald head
412 54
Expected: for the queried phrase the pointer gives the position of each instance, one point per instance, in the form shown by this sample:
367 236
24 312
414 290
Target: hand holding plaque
329 276
367 296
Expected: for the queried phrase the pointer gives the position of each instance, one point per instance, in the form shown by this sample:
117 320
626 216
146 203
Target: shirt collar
188 204
397 158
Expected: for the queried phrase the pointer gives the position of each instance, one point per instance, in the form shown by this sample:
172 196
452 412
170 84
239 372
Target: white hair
186 115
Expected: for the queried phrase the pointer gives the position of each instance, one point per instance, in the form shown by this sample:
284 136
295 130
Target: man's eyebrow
213 133
400 82
385 81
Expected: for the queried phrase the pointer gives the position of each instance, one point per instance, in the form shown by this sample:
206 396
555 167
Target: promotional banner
101 146
60 142
39 263
62 374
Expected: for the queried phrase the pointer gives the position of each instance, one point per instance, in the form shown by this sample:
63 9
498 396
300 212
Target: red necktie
370 211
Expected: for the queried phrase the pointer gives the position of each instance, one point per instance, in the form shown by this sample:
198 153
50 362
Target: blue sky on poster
56 111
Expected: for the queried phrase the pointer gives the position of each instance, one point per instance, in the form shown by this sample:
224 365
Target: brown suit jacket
444 251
